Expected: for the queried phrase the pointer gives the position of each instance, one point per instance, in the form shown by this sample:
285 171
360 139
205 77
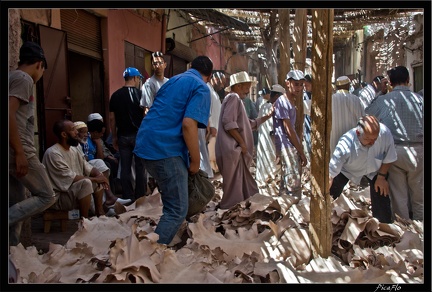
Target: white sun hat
240 77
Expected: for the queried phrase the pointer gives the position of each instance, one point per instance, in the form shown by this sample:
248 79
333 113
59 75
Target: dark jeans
113 166
172 176
381 206
126 146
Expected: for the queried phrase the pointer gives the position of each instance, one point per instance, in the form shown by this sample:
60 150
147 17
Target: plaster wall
209 46
124 25
14 38
180 34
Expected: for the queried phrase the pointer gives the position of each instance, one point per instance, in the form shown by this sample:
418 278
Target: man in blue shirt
167 140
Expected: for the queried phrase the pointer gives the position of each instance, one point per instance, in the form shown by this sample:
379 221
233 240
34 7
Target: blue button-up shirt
160 134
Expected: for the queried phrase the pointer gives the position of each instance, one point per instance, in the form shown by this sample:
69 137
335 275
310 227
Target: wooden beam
284 45
299 53
320 226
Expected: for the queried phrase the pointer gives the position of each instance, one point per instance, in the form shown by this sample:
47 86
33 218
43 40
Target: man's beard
72 141
82 140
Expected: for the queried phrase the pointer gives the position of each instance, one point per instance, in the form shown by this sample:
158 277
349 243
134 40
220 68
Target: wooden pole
322 59
284 46
299 52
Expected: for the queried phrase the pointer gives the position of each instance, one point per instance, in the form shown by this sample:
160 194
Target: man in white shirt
154 83
217 82
346 110
366 150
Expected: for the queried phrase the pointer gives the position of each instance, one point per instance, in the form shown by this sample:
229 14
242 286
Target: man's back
124 103
215 107
184 95
401 110
367 95
21 86
346 110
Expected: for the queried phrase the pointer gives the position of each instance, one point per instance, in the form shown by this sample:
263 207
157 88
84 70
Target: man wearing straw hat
234 142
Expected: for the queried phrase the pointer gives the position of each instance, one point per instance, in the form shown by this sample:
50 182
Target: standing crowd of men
171 128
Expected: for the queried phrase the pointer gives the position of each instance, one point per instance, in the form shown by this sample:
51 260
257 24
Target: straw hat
240 77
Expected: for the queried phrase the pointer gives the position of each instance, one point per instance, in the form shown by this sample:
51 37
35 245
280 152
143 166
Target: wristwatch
382 174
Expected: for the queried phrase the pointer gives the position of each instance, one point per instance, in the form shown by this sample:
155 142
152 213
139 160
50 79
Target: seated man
95 140
366 150
109 198
110 155
74 180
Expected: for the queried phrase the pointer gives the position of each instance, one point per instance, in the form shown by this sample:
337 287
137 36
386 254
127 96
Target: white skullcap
343 80
94 116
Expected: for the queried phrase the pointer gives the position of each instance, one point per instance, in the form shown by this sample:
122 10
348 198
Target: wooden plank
322 66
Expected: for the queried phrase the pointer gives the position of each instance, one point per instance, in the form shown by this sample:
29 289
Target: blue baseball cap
131 72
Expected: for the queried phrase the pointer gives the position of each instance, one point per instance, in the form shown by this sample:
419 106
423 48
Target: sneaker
110 213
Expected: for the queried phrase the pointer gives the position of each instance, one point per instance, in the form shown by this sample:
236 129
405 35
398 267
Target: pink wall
124 25
214 46
215 51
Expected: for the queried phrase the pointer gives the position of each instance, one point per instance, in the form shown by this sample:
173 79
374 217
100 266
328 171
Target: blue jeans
20 207
172 177
126 145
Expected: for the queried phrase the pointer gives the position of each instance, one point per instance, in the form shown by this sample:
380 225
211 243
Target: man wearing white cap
101 150
234 143
346 111
289 148
104 167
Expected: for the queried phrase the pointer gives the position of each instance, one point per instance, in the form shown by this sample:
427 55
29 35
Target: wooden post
299 52
284 46
320 206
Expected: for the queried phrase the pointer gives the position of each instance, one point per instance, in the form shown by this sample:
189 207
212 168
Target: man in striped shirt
401 110
346 110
